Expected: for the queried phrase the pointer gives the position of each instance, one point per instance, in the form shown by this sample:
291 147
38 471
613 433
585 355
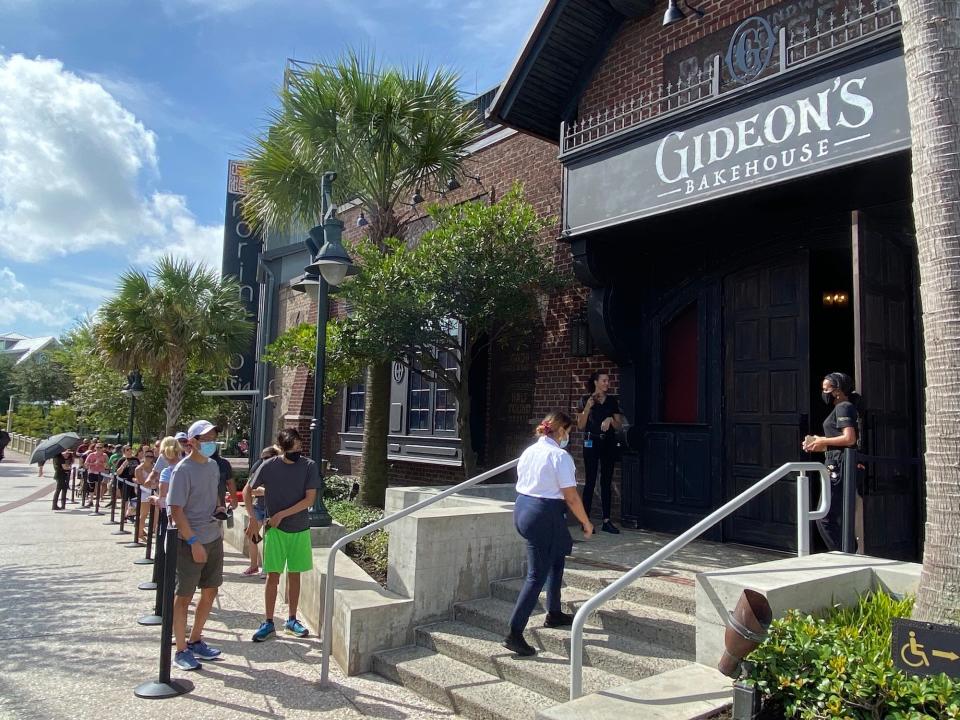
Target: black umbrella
53 446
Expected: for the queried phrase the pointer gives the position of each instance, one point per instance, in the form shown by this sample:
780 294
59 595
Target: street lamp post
329 267
10 414
133 388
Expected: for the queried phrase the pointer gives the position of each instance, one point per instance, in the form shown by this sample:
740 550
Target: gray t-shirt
286 484
193 486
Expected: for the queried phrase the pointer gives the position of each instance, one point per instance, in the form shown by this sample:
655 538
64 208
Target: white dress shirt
544 469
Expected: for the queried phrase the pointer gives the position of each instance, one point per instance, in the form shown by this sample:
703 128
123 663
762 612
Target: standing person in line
4 441
141 476
227 485
191 501
40 468
259 511
546 489
600 418
61 473
839 432
113 460
125 470
291 482
95 463
168 456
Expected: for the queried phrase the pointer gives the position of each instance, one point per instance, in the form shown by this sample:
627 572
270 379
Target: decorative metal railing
789 47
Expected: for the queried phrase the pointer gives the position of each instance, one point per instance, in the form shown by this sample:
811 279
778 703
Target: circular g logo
751 49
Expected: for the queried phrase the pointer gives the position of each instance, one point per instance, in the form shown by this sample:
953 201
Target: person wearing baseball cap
191 502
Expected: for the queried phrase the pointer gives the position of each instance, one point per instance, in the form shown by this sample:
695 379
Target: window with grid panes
419 410
355 399
444 402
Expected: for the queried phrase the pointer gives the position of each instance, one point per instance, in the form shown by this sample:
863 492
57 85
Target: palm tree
387 133
181 317
931 41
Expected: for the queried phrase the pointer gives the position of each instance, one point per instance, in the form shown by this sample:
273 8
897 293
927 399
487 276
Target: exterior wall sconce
675 14
836 299
362 220
580 345
417 198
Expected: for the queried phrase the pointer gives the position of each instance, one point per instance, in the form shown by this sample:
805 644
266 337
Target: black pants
603 454
63 484
831 527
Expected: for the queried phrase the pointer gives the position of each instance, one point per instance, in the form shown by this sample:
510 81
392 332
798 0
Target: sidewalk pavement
72 647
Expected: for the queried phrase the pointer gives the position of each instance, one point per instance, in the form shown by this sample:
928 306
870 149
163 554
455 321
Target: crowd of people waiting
191 488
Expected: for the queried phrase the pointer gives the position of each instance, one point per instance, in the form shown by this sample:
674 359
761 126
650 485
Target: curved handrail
804 515
383 522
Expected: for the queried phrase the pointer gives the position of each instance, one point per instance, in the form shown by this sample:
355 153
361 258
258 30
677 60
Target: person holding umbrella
61 473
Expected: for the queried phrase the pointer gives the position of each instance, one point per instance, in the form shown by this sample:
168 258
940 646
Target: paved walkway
72 647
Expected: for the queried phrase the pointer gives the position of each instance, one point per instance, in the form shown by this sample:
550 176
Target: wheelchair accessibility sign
922 648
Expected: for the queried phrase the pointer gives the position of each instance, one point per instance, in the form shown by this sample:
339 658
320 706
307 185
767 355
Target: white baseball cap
200 427
180 436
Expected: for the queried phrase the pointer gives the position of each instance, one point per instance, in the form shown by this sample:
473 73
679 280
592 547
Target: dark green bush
839 667
336 487
370 549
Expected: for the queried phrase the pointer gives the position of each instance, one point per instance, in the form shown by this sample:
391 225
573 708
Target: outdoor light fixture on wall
836 299
362 220
417 197
675 14
453 184
580 336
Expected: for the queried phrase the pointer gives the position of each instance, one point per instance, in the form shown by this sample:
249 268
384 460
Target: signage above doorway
835 120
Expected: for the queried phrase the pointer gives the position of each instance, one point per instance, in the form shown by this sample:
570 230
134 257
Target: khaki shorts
192 575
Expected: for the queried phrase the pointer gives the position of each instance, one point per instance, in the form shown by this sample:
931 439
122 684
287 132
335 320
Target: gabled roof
557 61
25 347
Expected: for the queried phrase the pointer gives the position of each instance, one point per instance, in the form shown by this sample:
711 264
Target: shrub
371 549
337 487
839 667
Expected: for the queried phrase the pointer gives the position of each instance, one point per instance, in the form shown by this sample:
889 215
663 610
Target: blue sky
117 118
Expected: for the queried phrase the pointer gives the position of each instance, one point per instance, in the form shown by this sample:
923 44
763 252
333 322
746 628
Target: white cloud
20 308
86 290
178 233
75 166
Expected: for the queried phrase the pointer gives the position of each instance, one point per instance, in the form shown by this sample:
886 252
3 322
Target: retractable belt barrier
147 559
113 500
123 508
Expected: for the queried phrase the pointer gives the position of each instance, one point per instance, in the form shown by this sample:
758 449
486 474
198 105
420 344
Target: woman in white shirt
546 489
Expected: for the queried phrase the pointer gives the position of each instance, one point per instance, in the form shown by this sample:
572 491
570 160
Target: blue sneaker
295 627
185 660
265 631
203 651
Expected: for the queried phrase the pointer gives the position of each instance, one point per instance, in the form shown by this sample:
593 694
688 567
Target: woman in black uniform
839 432
600 417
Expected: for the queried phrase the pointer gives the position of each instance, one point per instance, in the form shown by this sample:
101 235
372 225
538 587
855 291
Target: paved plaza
72 647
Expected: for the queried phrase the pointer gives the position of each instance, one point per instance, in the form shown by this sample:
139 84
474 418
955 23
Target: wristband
191 540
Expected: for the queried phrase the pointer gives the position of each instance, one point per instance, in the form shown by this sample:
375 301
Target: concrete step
546 673
646 623
614 653
693 692
463 688
673 589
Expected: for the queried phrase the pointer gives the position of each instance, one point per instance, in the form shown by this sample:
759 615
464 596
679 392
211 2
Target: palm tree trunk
176 391
931 39
376 424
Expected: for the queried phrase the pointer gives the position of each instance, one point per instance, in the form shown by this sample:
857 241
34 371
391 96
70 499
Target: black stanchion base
159 691
109 522
143 561
147 586
121 532
134 545
149 620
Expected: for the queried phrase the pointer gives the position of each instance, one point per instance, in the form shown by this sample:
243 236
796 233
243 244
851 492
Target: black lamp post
133 388
330 266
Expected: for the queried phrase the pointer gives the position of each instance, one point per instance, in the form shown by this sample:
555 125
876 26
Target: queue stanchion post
136 523
123 510
113 501
164 686
158 561
147 559
74 472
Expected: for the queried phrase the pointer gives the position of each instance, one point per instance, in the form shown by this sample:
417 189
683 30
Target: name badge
588 443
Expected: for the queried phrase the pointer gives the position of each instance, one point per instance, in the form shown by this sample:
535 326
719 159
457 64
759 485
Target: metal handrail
383 522
804 516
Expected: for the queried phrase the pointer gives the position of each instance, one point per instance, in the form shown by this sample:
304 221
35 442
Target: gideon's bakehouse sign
833 121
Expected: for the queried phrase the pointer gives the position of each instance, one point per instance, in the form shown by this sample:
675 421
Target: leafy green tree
179 319
40 379
6 382
386 133
469 284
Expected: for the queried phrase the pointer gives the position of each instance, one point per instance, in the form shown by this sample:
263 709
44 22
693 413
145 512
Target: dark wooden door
766 393
884 355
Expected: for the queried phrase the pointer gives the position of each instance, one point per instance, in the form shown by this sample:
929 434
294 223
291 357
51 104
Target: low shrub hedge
839 667
370 550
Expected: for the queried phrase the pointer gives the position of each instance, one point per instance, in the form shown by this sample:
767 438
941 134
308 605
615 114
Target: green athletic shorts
287 551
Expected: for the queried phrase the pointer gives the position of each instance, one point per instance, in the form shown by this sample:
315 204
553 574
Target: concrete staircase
460 663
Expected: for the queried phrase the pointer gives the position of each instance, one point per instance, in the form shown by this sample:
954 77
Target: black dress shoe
610 528
558 619
518 645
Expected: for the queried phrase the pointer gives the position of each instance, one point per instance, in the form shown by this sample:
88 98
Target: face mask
293 456
566 441
208 448
827 398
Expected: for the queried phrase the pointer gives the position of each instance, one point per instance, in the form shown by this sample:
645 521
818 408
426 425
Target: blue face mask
208 448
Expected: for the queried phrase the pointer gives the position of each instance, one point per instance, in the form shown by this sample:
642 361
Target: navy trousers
543 524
